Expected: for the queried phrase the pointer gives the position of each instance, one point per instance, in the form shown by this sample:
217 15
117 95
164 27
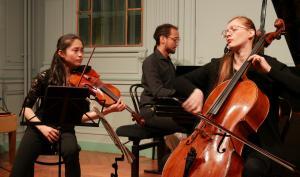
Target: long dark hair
162 30
226 66
57 70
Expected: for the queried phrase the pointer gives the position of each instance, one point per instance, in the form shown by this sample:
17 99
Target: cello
232 110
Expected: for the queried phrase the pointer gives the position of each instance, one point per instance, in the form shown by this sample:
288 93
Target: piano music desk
8 124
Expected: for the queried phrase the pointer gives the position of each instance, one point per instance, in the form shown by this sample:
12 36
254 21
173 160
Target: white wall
11 57
12 51
212 18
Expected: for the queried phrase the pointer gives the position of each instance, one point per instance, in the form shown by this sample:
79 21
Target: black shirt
38 88
158 78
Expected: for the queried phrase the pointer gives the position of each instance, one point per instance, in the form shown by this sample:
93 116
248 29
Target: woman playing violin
68 55
270 75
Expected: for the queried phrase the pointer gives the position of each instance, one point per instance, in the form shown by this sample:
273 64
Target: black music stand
63 107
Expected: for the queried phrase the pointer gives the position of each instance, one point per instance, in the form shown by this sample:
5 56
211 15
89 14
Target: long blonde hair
226 65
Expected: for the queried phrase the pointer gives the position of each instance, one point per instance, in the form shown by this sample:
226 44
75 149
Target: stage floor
93 164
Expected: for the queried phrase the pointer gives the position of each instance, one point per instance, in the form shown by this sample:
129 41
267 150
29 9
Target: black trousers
256 165
170 124
34 143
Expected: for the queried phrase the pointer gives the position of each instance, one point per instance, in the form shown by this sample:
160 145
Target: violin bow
84 69
263 16
114 137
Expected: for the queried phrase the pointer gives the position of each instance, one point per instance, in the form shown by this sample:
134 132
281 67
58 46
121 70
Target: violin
233 109
92 80
105 94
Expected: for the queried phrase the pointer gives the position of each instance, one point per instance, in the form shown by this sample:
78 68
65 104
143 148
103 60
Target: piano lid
289 11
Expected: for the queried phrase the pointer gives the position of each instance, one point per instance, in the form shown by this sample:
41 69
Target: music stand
63 107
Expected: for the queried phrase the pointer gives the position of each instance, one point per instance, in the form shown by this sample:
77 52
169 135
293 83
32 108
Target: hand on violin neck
194 103
260 63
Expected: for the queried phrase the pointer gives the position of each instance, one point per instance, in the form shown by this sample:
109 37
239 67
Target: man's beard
171 51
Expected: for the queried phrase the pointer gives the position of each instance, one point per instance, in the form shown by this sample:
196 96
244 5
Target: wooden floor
93 164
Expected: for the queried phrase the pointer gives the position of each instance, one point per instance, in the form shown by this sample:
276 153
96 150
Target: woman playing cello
68 55
270 76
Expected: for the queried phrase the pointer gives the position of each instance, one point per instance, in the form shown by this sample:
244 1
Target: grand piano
289 11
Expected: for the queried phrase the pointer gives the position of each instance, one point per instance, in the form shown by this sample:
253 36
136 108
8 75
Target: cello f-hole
221 142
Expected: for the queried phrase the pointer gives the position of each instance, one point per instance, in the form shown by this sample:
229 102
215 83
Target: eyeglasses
175 39
232 29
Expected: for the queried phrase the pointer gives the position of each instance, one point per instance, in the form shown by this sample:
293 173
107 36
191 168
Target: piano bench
136 133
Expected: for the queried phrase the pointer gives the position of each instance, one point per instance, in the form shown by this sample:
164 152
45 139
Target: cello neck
235 78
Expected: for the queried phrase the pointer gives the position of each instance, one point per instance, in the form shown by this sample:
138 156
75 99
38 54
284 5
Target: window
110 22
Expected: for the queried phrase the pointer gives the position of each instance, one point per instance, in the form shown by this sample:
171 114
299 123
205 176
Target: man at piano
271 76
158 79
